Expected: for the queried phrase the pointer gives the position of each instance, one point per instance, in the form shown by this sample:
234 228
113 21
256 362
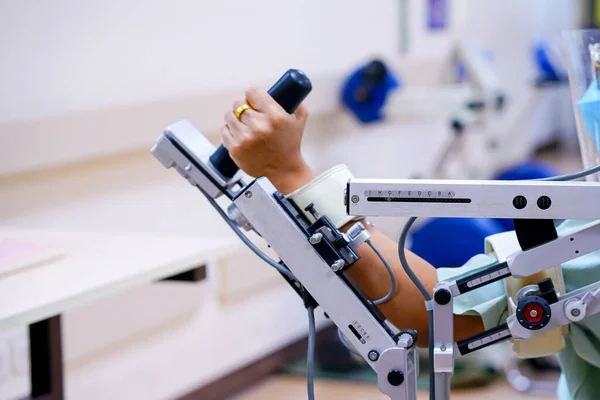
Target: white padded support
326 192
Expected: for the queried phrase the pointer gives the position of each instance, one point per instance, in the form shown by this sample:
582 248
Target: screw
355 199
188 167
248 194
338 265
533 313
373 355
443 347
316 238
576 312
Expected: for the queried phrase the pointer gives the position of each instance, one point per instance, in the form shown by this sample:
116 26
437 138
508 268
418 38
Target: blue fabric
451 242
372 110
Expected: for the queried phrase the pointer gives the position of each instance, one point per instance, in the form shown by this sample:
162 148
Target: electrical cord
394 283
573 176
417 282
310 354
247 241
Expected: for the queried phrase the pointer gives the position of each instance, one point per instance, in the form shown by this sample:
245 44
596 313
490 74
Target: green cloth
580 360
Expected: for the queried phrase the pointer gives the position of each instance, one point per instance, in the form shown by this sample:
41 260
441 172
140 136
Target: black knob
546 285
519 202
289 91
312 210
395 377
413 334
533 312
544 202
442 296
340 241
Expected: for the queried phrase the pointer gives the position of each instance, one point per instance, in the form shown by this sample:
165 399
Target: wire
310 354
573 176
247 241
404 261
417 282
346 343
394 283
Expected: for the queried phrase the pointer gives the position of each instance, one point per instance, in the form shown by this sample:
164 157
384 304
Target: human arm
266 142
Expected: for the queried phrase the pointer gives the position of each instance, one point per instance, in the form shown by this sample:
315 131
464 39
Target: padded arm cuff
326 192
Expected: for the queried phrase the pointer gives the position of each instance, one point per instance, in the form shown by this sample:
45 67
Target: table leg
45 344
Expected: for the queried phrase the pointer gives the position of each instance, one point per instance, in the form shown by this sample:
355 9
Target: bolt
188 167
576 312
373 355
533 313
316 238
355 199
338 265
443 347
395 378
248 194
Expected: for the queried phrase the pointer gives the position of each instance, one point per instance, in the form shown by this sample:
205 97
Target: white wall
62 56
84 80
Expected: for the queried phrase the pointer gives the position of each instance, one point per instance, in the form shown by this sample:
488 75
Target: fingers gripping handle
289 91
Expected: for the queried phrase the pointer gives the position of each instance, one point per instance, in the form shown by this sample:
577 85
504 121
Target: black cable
394 283
247 241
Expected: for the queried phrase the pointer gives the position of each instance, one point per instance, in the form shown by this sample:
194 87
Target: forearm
406 309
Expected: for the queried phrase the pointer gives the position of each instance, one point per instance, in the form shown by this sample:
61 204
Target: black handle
289 91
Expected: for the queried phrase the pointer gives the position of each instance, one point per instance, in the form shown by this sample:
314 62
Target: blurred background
460 89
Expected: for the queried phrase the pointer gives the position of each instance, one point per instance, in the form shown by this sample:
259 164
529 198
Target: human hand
266 140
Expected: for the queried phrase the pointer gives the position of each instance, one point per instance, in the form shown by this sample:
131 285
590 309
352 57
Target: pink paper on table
18 254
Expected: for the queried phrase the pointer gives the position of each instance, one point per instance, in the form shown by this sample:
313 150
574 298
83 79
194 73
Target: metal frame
472 199
256 207
366 332
259 207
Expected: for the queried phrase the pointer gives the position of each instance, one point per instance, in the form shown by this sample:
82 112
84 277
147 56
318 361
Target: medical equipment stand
315 255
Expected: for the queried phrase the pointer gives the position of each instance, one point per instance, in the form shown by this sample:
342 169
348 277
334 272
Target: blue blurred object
547 61
451 242
524 171
437 14
589 107
366 90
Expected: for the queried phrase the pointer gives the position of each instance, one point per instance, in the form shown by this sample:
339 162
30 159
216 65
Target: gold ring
240 110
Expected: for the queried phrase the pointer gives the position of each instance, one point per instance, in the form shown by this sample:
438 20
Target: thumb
301 113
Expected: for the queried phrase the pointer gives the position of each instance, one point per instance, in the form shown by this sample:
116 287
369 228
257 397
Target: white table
93 266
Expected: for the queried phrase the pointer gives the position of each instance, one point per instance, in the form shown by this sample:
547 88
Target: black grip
289 91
